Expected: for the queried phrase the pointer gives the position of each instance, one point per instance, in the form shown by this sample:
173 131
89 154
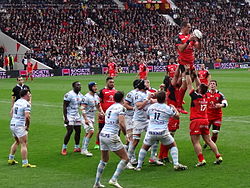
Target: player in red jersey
186 43
172 88
204 75
112 69
143 71
216 101
29 71
106 100
199 125
170 69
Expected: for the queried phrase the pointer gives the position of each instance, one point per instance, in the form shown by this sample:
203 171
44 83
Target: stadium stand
73 35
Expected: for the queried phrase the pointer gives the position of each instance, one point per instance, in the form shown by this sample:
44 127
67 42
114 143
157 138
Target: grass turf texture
74 170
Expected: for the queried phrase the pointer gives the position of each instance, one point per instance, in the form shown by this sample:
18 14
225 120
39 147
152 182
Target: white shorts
129 122
89 127
18 131
140 126
162 135
75 120
110 142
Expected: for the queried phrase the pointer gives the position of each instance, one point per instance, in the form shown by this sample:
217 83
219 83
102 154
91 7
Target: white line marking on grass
36 104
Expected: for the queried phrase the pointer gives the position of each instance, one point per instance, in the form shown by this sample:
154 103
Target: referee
16 90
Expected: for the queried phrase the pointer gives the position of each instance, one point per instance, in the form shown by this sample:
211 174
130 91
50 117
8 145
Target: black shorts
101 125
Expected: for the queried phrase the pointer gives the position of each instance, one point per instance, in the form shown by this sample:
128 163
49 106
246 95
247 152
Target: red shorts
216 122
199 127
112 74
29 71
143 76
173 124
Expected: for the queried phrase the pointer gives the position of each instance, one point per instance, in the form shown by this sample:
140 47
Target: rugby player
199 125
159 114
110 140
19 126
89 105
72 119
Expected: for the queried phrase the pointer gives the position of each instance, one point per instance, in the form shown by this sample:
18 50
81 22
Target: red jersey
198 109
187 55
106 99
142 71
112 67
203 76
29 66
213 98
171 70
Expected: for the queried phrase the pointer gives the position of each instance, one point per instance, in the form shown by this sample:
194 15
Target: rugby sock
25 161
174 154
217 156
141 157
11 157
77 146
86 143
200 157
154 148
131 151
163 152
99 171
133 158
122 164
64 146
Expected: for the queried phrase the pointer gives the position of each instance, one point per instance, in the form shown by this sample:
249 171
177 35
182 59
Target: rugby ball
197 33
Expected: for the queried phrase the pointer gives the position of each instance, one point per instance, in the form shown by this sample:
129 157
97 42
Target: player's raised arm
196 79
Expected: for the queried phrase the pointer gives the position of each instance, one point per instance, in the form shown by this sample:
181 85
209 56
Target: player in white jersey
159 114
129 104
110 140
19 126
91 102
143 100
72 118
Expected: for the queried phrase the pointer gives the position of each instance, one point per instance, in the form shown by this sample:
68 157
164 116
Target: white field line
35 104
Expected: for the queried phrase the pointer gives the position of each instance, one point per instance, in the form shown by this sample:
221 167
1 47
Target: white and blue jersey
141 115
130 97
112 118
90 101
159 115
18 115
75 100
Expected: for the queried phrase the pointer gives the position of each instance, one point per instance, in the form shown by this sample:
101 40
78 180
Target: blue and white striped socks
174 154
120 167
141 157
99 171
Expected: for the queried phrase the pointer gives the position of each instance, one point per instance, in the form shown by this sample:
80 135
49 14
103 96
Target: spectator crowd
66 35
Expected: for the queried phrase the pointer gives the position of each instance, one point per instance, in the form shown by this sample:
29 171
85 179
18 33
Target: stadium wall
92 71
18 50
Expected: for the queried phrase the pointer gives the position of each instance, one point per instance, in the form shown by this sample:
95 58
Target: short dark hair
203 88
74 83
214 81
23 92
184 24
161 96
118 96
135 83
19 77
109 78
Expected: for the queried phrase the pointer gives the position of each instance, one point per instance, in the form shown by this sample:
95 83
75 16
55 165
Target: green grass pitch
75 171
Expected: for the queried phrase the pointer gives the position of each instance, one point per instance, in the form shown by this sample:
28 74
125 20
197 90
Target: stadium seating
76 36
